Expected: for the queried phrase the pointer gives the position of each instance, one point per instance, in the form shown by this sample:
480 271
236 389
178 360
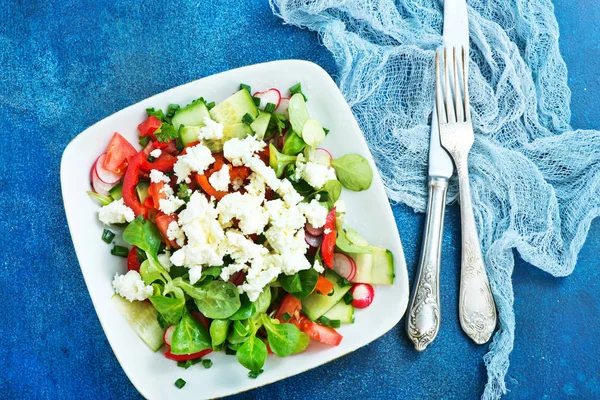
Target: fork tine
439 94
465 70
460 117
447 88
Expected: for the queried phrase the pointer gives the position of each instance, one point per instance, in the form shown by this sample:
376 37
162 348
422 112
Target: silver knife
424 312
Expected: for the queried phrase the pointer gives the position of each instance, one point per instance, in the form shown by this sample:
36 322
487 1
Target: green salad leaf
103 200
334 190
156 113
283 338
143 234
300 284
189 336
218 331
171 308
292 144
252 354
246 310
216 299
263 301
279 161
240 332
353 172
151 271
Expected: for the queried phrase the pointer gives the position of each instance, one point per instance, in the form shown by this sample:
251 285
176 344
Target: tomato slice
148 127
167 147
164 163
118 153
154 191
129 183
185 357
133 262
324 285
162 223
320 333
290 305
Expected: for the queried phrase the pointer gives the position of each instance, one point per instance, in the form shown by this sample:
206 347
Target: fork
476 309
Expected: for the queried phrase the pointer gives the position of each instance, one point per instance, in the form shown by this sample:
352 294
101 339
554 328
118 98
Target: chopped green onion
120 251
297 88
151 159
270 107
343 282
247 119
286 316
107 236
331 293
256 101
324 320
207 363
348 298
210 105
104 200
255 374
326 131
180 383
244 86
183 192
188 363
335 323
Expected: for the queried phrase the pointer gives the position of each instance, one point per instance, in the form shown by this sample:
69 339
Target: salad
232 227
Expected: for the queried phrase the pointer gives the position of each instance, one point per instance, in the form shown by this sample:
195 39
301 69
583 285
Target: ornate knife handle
476 310
423 321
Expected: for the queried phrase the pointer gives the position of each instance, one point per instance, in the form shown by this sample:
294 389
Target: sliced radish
100 187
283 105
313 241
363 295
322 156
169 335
311 230
269 96
105 175
344 266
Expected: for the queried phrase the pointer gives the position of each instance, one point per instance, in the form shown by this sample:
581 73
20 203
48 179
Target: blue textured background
67 64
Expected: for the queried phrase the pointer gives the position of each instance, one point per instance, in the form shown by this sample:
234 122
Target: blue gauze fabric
535 180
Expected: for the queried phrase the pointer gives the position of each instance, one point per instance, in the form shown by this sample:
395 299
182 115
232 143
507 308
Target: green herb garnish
120 251
107 236
180 383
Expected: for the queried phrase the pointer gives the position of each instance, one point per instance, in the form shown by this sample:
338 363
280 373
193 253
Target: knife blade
424 312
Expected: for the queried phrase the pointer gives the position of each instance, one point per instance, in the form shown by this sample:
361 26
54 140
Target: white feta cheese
318 267
131 286
247 209
261 274
175 233
284 240
237 183
195 274
315 213
243 250
212 130
316 175
327 231
164 260
283 216
257 186
157 176
220 179
170 204
156 153
196 159
240 151
115 212
266 172
289 194
231 269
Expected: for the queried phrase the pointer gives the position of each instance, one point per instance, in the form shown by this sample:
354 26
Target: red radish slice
344 266
100 187
105 175
322 156
313 241
363 294
270 96
283 105
311 230
169 335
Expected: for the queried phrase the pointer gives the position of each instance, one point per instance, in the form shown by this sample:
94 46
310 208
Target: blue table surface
67 64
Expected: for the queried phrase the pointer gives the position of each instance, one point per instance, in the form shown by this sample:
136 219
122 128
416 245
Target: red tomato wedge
164 163
156 193
148 127
118 153
290 305
133 262
162 223
320 333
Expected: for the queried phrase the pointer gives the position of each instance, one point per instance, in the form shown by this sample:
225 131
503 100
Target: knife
424 312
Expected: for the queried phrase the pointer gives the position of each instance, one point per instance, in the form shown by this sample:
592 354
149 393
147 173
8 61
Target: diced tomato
324 285
207 187
167 147
162 223
319 332
118 153
133 262
329 237
185 357
240 172
129 183
164 163
155 191
148 127
184 151
291 305
149 202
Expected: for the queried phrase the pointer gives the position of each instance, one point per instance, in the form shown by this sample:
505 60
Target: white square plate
369 212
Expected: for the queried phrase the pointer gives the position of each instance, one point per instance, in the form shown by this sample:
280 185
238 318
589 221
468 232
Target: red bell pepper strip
148 127
164 163
207 187
129 183
154 192
185 357
329 237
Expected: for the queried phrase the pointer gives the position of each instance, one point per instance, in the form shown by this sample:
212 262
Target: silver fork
476 309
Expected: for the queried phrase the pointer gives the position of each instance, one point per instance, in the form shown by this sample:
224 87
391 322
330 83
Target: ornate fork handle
477 311
423 321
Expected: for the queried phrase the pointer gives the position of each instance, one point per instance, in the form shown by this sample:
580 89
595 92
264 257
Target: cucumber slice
312 132
142 191
342 311
117 192
382 272
142 317
376 268
191 115
189 134
232 109
315 305
260 124
239 131
298 112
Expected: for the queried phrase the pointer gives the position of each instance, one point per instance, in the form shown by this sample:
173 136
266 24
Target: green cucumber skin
376 268
260 124
191 115
342 311
232 109
315 305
